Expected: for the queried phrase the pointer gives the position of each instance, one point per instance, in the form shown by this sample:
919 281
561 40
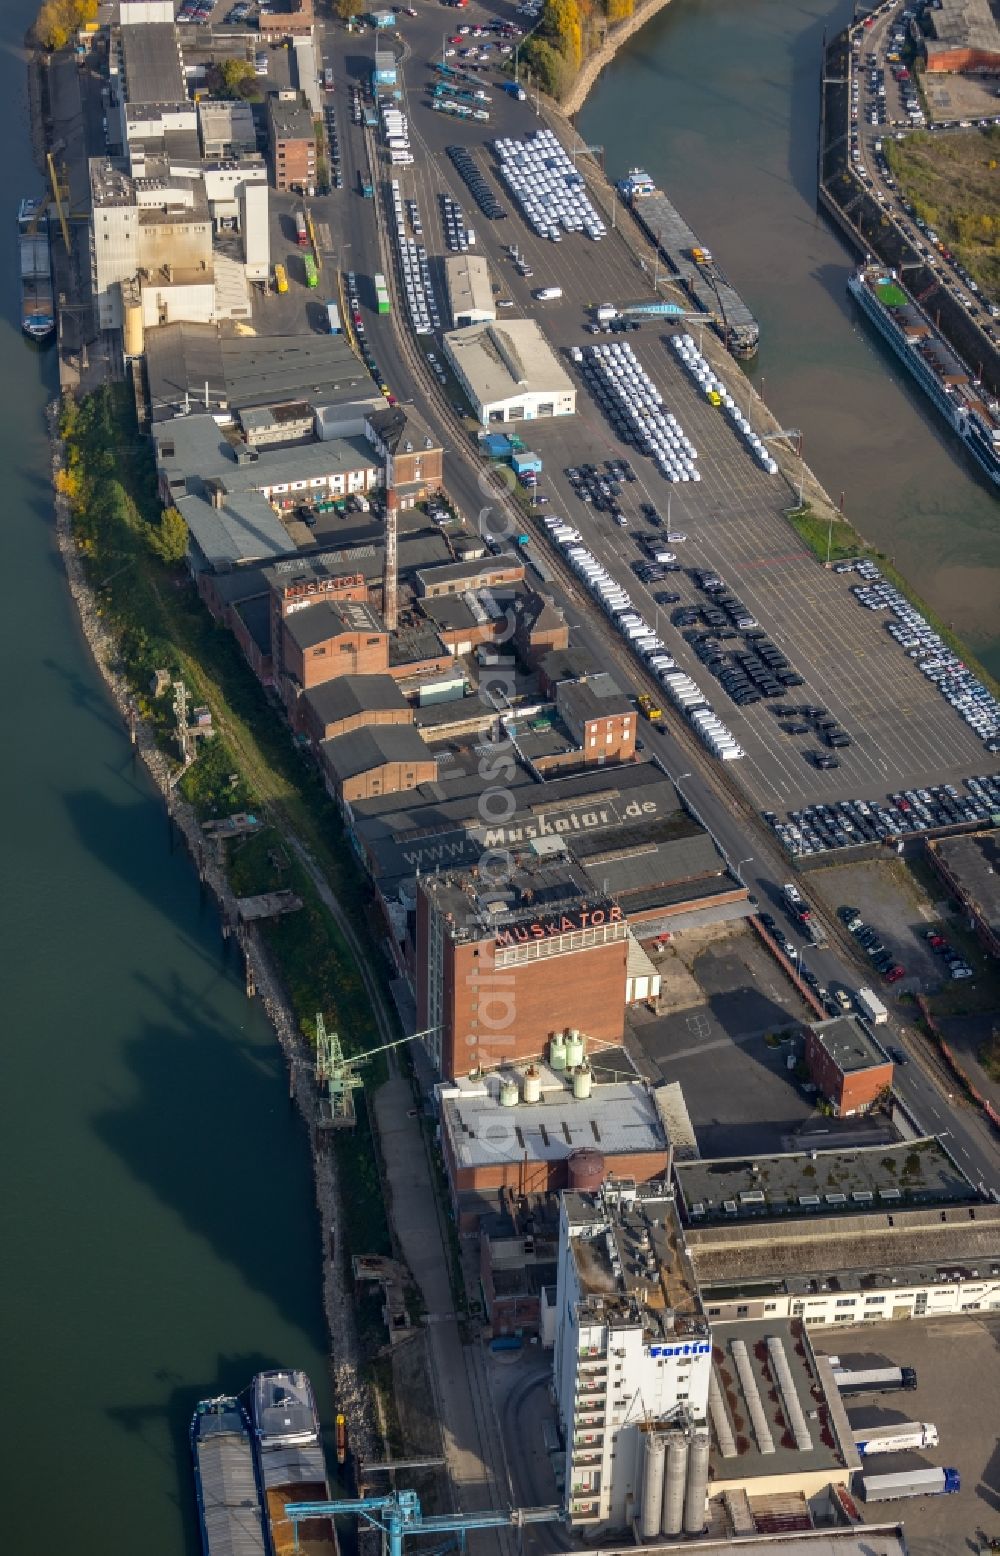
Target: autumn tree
58 20
169 539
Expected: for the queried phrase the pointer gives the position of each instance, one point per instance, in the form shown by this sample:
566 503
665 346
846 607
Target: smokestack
390 599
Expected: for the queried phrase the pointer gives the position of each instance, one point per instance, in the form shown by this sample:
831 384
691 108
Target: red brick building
600 718
351 702
847 1064
498 970
376 760
292 141
325 640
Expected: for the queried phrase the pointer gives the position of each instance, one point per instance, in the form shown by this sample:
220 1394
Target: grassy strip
159 621
847 544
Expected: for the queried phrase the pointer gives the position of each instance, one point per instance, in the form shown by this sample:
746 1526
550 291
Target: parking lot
739 1091
901 731
955 1358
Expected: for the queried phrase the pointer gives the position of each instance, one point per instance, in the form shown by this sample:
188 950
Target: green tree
169 540
346 9
232 78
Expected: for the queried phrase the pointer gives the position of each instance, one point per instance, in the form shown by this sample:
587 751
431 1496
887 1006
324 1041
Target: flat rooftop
637 1272
540 897
973 862
848 1043
153 72
965 24
773 1404
619 1119
819 1183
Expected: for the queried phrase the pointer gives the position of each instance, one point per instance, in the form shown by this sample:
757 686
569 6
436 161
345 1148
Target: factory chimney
390 600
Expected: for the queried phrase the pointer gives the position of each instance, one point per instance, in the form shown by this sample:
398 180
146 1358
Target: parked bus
312 275
280 278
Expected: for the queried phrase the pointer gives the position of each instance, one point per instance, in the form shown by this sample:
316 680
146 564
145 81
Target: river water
719 101
158 1235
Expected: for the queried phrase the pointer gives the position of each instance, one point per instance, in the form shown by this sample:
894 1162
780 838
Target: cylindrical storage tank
674 1482
697 1483
652 1486
557 1052
508 1094
574 1050
532 1085
583 1079
585 1170
134 334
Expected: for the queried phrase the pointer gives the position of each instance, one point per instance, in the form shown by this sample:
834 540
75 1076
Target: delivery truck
895 1438
871 1006
872 1380
910 1483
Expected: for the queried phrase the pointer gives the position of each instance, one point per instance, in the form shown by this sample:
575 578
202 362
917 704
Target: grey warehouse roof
248 370
153 73
194 449
732 1189
244 529
348 695
502 360
756 1392
373 746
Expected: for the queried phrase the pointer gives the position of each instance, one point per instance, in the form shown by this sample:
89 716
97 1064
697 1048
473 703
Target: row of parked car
966 693
468 172
820 828
648 646
333 142
882 959
544 181
456 233
421 300
635 408
715 390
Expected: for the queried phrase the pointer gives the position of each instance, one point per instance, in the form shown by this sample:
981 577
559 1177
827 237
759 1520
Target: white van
547 294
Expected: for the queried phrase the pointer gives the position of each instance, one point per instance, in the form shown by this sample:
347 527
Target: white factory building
510 372
470 295
632 1360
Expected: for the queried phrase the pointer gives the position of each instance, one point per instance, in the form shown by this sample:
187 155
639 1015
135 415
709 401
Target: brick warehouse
847 1064
494 967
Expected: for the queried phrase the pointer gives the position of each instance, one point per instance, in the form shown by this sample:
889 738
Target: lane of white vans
683 692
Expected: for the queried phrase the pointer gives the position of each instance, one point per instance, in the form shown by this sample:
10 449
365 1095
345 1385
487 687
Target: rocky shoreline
351 1394
613 40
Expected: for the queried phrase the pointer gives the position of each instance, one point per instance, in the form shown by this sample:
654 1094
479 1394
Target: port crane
399 1516
337 1075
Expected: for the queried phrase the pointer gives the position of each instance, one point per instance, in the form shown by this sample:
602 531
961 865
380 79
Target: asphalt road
733 518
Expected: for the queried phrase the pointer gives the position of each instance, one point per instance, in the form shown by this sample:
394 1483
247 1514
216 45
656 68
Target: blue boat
225 1480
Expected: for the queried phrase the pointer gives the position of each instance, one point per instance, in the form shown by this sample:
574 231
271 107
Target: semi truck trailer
895 1438
871 1006
910 1483
873 1380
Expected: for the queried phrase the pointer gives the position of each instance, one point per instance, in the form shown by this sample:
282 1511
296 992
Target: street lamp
738 869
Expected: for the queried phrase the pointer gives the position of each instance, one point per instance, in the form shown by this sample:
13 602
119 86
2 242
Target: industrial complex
679 1145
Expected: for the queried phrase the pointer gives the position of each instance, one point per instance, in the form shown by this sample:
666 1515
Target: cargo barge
225 1480
923 350
290 1463
692 264
38 313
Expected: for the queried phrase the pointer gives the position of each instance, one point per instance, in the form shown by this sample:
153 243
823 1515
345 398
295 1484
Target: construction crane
58 191
399 1516
337 1075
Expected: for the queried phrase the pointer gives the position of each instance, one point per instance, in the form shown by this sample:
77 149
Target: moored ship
943 377
225 1480
290 1462
38 314
691 263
